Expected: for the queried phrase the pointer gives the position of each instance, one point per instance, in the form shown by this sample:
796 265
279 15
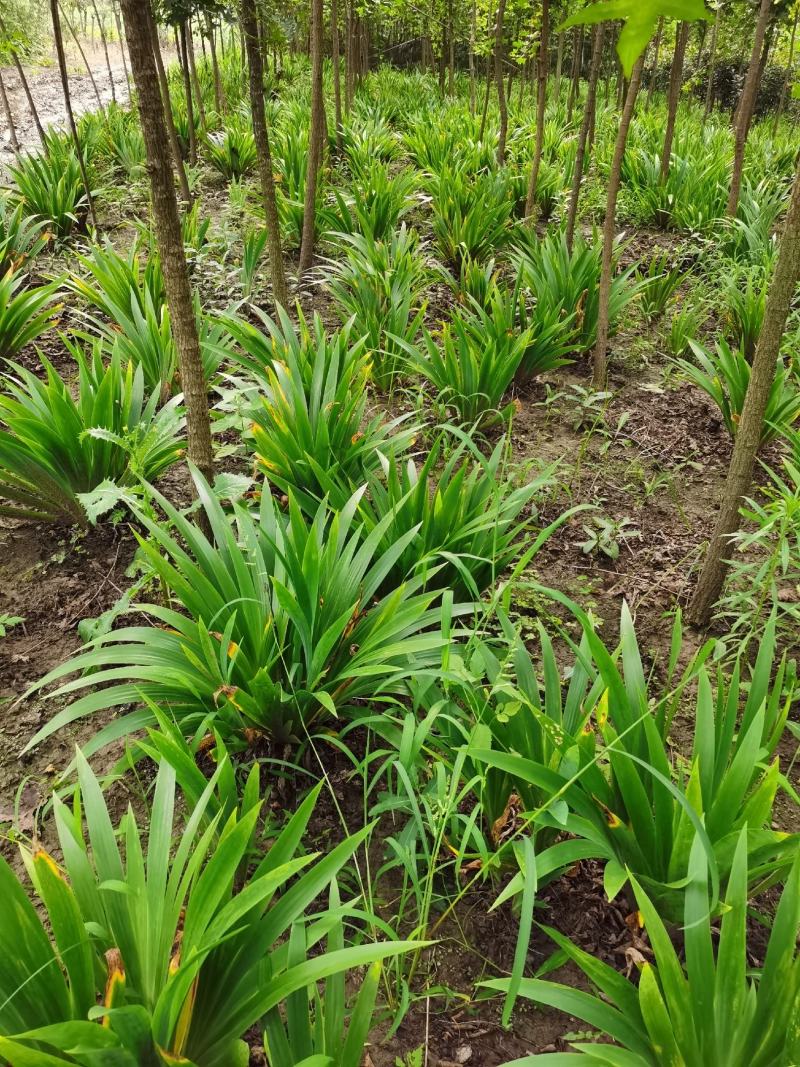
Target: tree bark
26 89
575 73
675 79
541 94
337 74
559 65
600 362
73 129
583 135
746 105
485 110
473 18
315 144
656 54
748 434
104 42
349 58
9 117
248 25
166 102
198 95
712 62
122 47
451 50
169 235
187 90
498 77
219 92
787 80
76 39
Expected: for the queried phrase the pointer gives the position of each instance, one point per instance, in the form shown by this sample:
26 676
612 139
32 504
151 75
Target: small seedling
8 622
605 535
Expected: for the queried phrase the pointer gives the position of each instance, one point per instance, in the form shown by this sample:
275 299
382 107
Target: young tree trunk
541 94
787 80
451 50
712 62
498 77
219 92
748 433
26 89
73 129
600 362
656 54
201 111
622 86
9 117
575 73
746 105
473 19
349 58
166 102
583 135
76 39
122 47
187 90
105 51
169 236
485 111
248 25
337 74
559 65
364 55
315 144
675 79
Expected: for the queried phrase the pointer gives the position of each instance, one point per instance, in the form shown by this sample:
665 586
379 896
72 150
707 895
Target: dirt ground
45 85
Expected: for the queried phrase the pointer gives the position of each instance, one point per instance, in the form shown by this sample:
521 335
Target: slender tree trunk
169 236
541 94
712 62
105 51
748 434
337 74
76 39
166 102
746 105
559 65
675 80
588 115
201 111
575 73
219 93
349 58
260 132
122 48
787 80
498 77
9 117
622 86
656 55
451 50
473 18
73 129
315 141
600 363
187 89
485 111
26 89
